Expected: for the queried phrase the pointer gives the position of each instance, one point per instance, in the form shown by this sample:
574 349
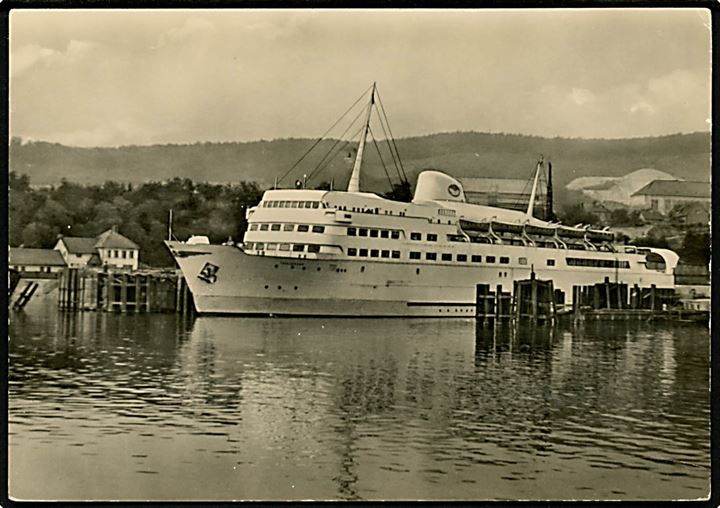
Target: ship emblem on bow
209 273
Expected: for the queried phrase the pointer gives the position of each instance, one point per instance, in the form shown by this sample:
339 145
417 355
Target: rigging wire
519 202
317 141
397 169
327 159
391 135
381 159
338 140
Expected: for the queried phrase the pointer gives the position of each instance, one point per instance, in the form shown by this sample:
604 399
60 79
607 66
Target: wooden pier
537 302
492 306
124 291
534 300
608 300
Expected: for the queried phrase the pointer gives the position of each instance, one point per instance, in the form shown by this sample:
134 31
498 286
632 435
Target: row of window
374 233
373 253
463 258
122 254
300 228
598 263
431 256
293 204
430 237
388 233
21 268
287 247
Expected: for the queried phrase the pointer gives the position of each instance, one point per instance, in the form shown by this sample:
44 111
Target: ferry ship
352 253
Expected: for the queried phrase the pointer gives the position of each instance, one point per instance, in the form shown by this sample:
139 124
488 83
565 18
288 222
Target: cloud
26 57
192 27
31 54
248 74
581 96
642 107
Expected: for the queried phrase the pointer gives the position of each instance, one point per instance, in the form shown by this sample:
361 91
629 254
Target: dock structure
537 302
124 291
612 300
531 301
492 306
534 300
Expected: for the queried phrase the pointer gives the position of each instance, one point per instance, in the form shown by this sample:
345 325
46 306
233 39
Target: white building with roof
35 261
109 249
664 195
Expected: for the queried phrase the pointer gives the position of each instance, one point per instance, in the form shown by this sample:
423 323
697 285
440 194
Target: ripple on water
441 404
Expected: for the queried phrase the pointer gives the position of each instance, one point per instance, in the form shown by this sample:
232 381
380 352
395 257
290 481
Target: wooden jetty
534 299
124 291
492 306
531 300
537 302
609 300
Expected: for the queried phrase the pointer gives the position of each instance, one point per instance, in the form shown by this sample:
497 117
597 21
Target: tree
20 183
576 214
54 215
400 192
659 242
695 248
38 235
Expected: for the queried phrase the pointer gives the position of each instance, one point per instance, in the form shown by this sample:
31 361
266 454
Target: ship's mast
550 213
531 204
354 183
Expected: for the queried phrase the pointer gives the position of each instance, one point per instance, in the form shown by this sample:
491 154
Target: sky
120 77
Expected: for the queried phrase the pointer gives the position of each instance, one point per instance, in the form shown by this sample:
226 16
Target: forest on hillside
460 153
141 212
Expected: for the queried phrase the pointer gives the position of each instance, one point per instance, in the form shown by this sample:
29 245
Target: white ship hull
249 284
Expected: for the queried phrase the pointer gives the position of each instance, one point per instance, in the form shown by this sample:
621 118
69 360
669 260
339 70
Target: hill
684 156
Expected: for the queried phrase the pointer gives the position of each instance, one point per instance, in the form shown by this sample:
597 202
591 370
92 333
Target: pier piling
123 291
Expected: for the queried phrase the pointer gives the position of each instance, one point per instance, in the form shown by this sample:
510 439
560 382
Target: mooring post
533 298
607 293
652 297
498 304
123 292
72 288
577 298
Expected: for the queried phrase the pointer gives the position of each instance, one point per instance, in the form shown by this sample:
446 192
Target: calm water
106 406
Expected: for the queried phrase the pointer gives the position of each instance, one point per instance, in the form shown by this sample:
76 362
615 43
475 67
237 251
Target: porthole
319 269
295 288
303 267
266 286
279 287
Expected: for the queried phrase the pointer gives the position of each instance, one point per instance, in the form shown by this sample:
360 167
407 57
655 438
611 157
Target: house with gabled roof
663 195
109 249
35 261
